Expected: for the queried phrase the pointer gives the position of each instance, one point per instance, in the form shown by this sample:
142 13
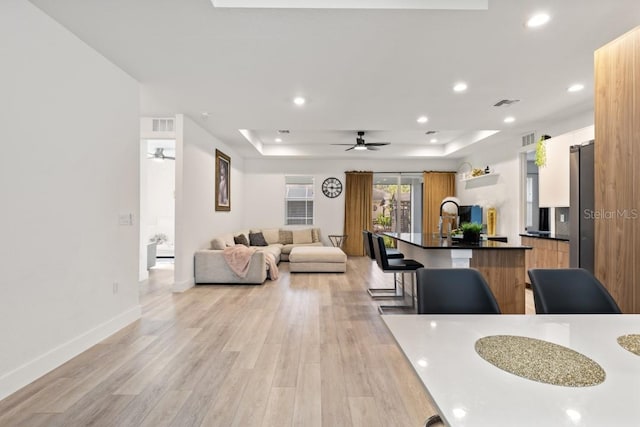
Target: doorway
157 206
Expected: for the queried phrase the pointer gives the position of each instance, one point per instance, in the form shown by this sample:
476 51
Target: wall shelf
479 177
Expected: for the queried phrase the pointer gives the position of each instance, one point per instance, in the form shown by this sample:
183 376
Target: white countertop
469 391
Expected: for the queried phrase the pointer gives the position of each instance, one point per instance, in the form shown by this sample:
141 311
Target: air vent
505 102
283 131
528 139
431 132
163 125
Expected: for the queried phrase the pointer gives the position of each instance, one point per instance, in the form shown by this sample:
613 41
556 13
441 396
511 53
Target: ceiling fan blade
371 148
170 158
377 144
350 148
340 144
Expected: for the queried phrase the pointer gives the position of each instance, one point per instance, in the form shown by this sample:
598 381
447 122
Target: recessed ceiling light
278 139
538 20
205 115
509 119
298 100
422 119
575 88
460 87
433 140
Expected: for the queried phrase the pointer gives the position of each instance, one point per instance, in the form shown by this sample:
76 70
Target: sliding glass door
397 202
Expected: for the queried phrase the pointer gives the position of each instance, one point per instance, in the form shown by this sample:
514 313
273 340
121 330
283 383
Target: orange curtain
437 186
358 199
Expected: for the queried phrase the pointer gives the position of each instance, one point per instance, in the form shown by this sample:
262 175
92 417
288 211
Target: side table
337 240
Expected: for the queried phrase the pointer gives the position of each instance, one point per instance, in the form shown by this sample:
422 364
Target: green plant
472 227
384 221
541 151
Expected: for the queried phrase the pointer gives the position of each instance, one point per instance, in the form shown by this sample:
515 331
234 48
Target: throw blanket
238 258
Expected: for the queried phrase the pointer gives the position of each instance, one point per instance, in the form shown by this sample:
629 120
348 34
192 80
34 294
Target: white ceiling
371 70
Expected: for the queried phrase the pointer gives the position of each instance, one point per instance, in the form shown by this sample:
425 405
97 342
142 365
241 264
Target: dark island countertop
429 241
562 237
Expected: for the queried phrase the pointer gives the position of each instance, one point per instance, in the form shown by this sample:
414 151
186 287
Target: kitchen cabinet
553 178
546 253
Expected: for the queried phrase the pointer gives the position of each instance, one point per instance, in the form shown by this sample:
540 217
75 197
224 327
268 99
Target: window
298 200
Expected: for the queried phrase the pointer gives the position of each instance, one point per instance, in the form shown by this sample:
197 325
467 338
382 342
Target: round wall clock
332 187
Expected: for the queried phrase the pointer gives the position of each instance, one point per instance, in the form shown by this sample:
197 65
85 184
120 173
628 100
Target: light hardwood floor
305 350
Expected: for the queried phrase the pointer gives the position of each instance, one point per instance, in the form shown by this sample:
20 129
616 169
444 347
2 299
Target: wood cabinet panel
563 254
504 272
617 122
546 253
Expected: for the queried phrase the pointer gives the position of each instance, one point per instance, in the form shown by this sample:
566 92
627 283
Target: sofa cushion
286 237
315 235
302 236
218 244
257 239
286 249
271 235
241 239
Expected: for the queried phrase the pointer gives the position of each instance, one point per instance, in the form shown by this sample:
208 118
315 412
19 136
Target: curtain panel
358 201
437 186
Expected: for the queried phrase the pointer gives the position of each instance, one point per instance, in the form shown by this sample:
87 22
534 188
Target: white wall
69 168
197 221
501 191
264 187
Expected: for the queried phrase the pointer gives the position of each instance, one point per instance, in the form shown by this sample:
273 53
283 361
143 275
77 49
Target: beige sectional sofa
211 267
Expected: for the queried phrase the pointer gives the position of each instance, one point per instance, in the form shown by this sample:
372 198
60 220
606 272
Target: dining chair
454 291
395 265
570 291
392 253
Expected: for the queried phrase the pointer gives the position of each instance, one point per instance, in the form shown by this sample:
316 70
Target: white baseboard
183 286
34 369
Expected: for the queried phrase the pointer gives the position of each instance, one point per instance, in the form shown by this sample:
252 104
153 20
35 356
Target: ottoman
317 259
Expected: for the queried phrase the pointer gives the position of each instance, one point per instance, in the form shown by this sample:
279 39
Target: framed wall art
223 181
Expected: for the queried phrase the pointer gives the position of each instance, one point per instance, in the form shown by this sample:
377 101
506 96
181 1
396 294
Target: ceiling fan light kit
362 145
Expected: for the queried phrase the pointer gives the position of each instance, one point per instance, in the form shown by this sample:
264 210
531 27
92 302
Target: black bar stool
391 254
400 265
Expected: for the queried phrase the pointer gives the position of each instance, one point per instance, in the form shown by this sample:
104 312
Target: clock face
332 187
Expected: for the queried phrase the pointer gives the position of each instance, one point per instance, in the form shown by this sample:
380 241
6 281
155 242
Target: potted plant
471 232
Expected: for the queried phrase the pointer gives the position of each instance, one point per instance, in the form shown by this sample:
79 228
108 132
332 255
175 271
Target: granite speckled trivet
630 343
540 361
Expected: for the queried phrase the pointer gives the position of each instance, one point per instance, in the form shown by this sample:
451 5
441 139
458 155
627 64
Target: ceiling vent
431 132
505 102
163 125
528 139
283 131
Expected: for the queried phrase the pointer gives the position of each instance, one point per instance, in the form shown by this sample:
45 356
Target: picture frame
223 181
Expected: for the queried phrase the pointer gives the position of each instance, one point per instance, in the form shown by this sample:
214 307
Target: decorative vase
492 218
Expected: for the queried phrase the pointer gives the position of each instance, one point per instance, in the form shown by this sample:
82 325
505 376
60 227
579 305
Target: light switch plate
125 219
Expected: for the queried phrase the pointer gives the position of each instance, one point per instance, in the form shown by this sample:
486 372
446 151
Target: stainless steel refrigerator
581 193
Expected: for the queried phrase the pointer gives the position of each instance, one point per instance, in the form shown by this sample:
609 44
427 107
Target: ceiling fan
159 155
361 145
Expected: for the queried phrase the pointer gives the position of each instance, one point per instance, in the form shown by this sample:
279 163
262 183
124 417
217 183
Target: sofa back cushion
315 235
271 235
302 236
257 239
286 237
241 239
218 244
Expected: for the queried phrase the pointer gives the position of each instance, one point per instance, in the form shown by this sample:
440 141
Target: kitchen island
501 264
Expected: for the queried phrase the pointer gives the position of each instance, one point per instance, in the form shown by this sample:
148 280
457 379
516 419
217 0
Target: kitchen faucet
441 223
